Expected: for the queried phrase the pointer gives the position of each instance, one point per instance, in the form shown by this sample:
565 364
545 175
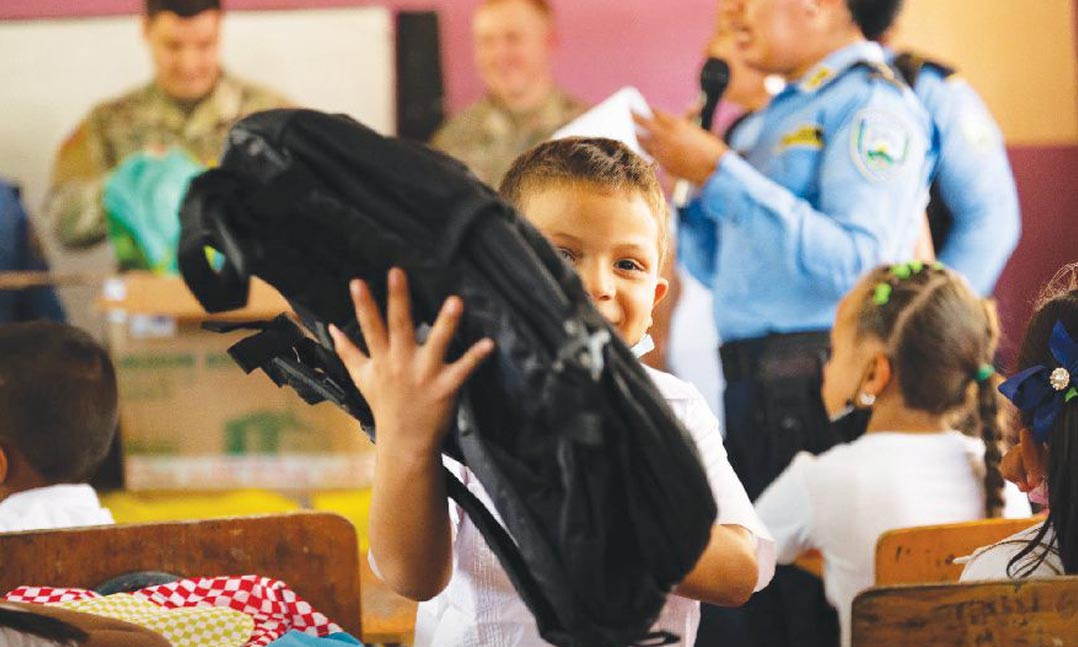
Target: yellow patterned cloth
183 627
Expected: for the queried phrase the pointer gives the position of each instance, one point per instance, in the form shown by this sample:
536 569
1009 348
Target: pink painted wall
609 43
604 45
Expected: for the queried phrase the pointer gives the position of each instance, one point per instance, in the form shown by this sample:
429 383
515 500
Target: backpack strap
290 358
217 193
509 556
909 66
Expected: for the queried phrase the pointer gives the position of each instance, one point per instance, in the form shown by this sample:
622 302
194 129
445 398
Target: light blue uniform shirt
974 179
832 180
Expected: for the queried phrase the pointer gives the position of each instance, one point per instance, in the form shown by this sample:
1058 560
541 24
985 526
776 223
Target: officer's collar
834 64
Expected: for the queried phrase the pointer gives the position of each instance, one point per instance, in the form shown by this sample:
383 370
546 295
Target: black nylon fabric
601 490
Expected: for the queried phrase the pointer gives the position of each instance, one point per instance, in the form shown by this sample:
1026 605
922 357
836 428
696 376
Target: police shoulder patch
880 144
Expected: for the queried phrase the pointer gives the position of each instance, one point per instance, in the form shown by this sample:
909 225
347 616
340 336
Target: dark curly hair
874 17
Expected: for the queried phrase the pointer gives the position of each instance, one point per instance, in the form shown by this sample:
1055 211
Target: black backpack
601 490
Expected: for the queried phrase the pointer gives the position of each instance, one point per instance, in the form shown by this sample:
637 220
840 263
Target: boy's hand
410 388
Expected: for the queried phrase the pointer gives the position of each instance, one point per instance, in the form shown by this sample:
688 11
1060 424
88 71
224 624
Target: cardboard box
191 419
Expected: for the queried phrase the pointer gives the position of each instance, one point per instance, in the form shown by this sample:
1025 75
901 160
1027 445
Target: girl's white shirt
841 501
992 562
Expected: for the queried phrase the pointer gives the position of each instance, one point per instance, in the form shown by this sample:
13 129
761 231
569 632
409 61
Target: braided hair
941 339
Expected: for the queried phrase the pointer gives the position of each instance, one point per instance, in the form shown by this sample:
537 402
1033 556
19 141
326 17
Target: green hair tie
882 295
902 270
1071 394
985 372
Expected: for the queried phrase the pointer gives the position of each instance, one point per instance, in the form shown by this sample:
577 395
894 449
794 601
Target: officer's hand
680 146
411 389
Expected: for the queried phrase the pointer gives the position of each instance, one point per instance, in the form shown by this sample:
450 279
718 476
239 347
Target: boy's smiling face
611 238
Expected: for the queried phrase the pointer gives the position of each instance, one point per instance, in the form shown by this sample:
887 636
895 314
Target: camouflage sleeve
259 98
73 203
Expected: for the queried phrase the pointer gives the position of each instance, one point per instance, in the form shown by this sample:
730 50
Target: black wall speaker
420 90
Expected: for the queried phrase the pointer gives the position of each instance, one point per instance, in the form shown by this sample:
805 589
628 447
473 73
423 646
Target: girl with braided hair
912 346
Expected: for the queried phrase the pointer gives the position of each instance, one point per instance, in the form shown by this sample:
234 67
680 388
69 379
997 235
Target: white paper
613 119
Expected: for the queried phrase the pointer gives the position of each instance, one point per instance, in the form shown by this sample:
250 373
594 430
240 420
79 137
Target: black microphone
714 77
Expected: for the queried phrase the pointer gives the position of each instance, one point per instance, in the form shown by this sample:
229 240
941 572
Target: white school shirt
841 501
54 506
480 608
992 562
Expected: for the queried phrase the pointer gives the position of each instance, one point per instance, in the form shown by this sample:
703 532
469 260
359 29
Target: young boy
601 206
58 415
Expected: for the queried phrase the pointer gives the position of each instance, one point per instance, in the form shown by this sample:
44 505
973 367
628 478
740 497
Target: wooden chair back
315 553
1022 613
927 553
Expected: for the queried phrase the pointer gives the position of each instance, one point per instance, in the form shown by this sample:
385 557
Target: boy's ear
3 465
662 288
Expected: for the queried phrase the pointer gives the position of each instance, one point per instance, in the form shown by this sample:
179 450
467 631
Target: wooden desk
385 616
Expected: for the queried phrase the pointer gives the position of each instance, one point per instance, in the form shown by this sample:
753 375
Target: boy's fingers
346 350
399 311
370 320
459 371
442 332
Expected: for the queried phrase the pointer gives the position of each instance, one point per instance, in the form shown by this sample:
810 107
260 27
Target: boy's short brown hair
604 163
58 399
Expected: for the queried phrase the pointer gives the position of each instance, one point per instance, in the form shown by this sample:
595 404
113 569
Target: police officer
831 181
190 104
973 211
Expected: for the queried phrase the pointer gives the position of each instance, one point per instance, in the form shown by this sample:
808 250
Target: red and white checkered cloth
276 609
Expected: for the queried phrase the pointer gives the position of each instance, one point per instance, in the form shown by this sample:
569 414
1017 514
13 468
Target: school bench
1020 613
926 553
315 553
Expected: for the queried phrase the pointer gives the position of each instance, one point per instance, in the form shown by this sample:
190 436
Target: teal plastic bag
142 198
298 639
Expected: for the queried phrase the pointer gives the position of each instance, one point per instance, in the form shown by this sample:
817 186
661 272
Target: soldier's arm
73 204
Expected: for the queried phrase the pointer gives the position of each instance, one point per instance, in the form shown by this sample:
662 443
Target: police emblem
881 144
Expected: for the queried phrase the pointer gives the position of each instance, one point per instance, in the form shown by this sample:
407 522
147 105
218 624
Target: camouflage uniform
145 118
488 137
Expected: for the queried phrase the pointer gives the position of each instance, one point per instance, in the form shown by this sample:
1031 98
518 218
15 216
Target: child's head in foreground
601 206
58 405
1051 343
915 343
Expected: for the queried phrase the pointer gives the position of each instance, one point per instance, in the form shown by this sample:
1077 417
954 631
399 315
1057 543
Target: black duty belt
775 357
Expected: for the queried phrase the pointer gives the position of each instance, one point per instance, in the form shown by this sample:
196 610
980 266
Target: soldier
190 104
513 40
827 181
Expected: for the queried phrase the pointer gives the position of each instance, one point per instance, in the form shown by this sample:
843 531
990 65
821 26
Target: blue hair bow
1044 391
